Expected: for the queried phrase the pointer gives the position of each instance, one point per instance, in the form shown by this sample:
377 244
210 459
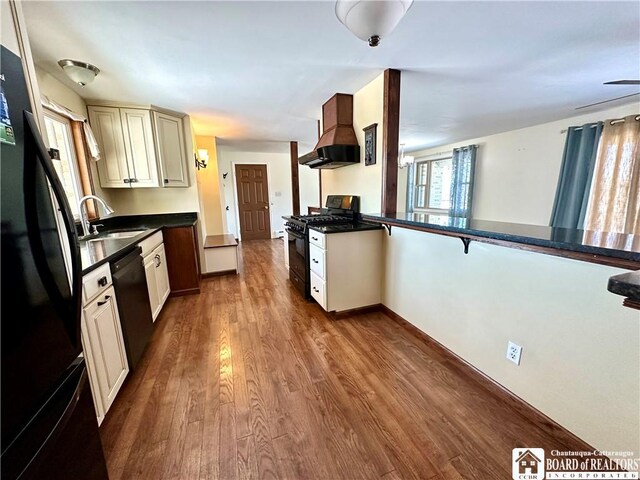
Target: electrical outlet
514 352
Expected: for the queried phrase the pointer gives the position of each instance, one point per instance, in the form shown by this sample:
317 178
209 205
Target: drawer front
149 244
317 261
317 238
93 283
318 290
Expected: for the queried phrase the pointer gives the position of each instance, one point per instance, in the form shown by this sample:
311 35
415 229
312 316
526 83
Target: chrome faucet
84 216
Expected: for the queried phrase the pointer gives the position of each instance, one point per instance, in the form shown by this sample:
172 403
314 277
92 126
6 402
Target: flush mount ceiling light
371 20
80 72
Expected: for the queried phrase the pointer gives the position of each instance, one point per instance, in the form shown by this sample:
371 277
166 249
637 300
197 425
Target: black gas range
340 210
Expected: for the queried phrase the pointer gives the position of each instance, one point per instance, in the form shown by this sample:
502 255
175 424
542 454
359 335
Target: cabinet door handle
166 180
158 262
314 238
127 180
133 180
314 260
316 290
106 298
102 282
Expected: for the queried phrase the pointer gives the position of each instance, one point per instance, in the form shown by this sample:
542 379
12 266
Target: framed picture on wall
370 144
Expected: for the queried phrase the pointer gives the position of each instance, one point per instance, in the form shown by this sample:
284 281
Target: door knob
266 207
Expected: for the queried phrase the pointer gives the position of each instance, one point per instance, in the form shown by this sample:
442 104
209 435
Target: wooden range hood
338 145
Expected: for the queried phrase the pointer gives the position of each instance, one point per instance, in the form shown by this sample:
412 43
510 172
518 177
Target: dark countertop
346 227
613 245
100 250
626 284
134 222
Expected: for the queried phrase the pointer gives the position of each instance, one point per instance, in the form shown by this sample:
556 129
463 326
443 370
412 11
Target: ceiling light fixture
405 160
80 72
371 20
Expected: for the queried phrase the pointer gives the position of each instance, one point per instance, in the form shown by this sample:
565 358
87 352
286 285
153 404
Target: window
444 185
432 190
60 137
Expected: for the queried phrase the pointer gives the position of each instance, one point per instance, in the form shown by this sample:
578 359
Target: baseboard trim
188 291
218 274
356 311
525 409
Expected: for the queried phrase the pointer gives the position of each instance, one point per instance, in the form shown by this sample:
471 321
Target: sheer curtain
614 201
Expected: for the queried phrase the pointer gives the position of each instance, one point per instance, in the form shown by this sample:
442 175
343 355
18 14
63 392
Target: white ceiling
256 73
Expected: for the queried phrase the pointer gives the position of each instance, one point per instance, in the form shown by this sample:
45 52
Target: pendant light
81 73
371 20
405 160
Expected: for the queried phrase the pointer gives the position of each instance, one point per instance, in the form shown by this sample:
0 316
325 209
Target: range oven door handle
297 235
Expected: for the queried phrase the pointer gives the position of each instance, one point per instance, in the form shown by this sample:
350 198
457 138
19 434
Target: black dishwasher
134 307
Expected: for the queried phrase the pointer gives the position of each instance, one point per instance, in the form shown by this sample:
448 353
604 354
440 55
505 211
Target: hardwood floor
247 380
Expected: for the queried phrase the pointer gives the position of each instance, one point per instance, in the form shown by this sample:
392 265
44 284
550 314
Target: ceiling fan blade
623 82
607 101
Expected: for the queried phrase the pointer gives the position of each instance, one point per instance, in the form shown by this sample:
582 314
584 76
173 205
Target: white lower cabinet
155 269
102 341
346 269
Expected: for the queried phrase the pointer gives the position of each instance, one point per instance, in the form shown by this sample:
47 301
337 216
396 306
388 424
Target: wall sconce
405 160
202 158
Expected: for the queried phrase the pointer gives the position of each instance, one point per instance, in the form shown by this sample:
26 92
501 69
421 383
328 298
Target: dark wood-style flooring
247 380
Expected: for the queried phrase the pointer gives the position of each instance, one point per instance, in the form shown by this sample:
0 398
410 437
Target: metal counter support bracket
388 227
466 241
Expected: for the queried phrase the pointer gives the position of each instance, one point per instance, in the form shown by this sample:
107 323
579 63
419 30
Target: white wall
309 188
581 347
359 179
279 178
517 171
57 91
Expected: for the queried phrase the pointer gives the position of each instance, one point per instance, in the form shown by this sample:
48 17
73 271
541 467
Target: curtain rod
611 122
578 128
445 152
619 120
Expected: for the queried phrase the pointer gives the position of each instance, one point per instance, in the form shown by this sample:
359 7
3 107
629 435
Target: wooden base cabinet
346 269
183 259
102 341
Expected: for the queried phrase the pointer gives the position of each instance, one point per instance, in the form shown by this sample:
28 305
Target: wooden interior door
253 202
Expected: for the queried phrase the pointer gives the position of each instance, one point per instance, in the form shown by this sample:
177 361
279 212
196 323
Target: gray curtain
462 172
411 174
576 172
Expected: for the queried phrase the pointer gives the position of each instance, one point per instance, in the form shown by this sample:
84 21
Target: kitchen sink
128 234
112 235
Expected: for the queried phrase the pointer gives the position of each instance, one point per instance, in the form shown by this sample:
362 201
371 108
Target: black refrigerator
49 428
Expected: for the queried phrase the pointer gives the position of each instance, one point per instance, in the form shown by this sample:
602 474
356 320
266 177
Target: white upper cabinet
138 151
138 144
107 128
171 149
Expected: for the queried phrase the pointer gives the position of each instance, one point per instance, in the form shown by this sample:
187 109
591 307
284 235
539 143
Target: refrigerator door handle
34 146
